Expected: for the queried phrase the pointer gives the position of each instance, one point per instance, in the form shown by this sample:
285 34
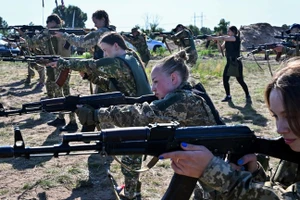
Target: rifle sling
152 162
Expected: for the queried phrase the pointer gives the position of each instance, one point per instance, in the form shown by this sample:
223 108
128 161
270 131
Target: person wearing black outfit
234 66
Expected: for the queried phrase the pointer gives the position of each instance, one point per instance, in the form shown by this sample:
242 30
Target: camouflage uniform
113 69
113 74
184 39
181 105
32 65
243 185
290 52
89 41
49 45
140 44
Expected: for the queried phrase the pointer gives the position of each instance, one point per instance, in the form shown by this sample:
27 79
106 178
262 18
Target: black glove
86 116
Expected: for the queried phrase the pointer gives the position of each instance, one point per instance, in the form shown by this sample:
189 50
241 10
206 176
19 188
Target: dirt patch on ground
84 176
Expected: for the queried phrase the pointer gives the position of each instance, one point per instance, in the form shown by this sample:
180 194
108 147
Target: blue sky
125 14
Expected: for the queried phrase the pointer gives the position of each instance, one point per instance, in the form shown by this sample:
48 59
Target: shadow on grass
23 163
13 89
249 114
98 178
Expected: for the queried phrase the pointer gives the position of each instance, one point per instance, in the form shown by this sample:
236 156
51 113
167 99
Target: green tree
222 27
285 27
195 29
66 14
3 23
205 31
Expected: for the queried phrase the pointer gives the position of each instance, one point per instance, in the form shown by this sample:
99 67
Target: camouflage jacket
180 105
45 44
102 70
234 184
86 41
290 52
140 44
184 39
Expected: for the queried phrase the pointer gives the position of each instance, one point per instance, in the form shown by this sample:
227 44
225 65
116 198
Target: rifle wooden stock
63 76
156 139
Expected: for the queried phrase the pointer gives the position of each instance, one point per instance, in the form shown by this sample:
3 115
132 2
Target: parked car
155 44
7 51
152 44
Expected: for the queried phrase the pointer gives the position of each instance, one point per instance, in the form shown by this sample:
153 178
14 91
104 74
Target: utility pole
201 20
196 17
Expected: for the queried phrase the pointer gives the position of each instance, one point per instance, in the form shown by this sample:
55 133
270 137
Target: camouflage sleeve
36 40
86 41
182 108
289 51
179 35
128 39
234 185
105 67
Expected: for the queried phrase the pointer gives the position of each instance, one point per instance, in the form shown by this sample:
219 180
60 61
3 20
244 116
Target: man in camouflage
138 39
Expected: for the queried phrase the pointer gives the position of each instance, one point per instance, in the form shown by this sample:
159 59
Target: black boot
226 99
70 127
57 122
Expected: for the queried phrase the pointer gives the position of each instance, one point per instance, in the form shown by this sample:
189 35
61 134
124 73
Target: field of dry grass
84 177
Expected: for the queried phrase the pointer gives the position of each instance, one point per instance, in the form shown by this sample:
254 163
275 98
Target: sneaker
226 99
57 122
248 99
70 127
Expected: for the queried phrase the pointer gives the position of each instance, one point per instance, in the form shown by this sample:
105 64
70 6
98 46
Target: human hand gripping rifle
204 37
154 140
164 35
69 103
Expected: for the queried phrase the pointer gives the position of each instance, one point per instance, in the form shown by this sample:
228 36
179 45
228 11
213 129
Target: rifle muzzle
6 152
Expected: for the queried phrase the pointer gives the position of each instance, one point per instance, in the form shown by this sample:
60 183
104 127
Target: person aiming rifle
234 66
139 40
50 45
282 95
183 37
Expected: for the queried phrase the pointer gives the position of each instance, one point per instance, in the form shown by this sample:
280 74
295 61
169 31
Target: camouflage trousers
145 57
39 68
54 91
132 179
193 56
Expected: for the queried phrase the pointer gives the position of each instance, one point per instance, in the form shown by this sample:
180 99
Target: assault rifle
29 30
32 30
43 59
289 37
164 35
68 104
127 34
77 31
204 37
37 58
154 140
267 46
